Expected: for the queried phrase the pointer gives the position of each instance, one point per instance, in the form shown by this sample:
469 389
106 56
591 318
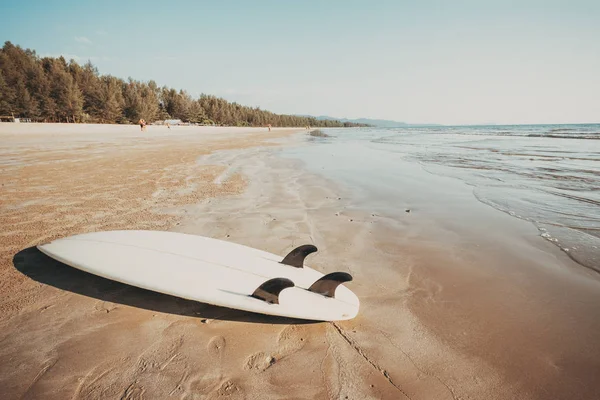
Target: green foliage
110 100
7 97
54 90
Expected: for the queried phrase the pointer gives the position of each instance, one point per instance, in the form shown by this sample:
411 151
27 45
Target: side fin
296 257
269 291
327 284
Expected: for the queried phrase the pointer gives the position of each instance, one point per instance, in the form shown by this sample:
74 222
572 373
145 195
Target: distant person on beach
269 126
142 125
168 125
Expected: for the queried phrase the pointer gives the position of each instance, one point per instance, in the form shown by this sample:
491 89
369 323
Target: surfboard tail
269 291
327 284
295 258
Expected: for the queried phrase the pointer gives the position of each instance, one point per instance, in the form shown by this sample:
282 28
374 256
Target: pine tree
25 105
111 100
54 90
7 97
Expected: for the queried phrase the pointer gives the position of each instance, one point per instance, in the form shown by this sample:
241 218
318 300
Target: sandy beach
433 323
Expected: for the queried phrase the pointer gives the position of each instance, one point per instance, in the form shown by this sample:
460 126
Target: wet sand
447 312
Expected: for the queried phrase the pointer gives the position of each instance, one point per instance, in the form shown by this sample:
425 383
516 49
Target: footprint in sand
216 347
291 339
104 307
158 356
259 362
228 389
200 385
213 389
205 384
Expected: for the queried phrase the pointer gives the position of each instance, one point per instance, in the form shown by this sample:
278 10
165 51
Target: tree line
49 89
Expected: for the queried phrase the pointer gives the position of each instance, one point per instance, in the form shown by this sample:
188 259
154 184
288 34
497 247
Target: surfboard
211 271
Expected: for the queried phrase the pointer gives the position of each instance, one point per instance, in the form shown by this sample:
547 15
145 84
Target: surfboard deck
207 270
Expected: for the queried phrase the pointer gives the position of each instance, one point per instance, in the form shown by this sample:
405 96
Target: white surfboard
211 271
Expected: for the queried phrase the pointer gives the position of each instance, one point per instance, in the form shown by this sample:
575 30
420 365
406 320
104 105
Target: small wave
562 130
573 197
592 136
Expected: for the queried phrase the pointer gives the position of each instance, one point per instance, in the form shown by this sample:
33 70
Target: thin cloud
83 40
101 32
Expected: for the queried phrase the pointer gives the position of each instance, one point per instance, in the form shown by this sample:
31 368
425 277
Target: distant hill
380 123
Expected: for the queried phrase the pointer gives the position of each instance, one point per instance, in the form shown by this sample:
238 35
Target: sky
417 61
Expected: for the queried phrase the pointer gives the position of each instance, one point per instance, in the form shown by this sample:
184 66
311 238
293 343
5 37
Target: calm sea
546 174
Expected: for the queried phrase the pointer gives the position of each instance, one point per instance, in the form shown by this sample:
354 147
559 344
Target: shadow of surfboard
41 268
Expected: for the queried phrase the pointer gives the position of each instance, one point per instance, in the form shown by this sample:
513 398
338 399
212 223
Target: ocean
548 175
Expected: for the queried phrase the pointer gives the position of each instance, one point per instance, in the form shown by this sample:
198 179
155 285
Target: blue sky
451 62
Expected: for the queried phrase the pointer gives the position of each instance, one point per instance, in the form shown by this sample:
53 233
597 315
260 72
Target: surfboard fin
326 285
269 291
296 257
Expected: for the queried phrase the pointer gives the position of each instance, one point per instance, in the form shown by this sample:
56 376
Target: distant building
12 118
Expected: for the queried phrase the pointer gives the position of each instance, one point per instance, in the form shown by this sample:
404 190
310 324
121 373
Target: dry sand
433 323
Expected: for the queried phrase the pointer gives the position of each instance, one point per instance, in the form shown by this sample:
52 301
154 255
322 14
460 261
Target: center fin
328 283
269 291
296 257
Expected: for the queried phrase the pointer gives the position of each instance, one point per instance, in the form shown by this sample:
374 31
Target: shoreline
499 280
486 283
433 322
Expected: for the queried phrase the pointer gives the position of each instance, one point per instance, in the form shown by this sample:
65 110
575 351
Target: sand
433 324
